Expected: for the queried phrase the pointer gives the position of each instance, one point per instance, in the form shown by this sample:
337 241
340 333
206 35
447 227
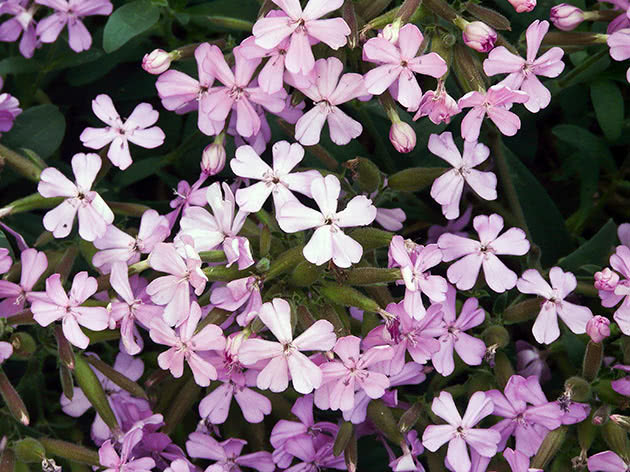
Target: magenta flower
117 246
329 241
125 462
524 72
6 351
518 461
528 415
447 189
185 345
34 264
117 135
303 27
209 231
182 94
460 432
21 23
5 260
94 214
71 13
285 355
227 454
240 294
619 43
398 63
414 267
495 103
470 349
9 109
545 327
329 90
353 371
438 105
240 92
607 461
278 181
56 305
182 262
483 253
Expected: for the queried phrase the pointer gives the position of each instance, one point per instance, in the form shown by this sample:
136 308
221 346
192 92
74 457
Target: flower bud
623 421
566 17
344 435
12 400
606 280
521 6
598 328
29 450
479 36
390 33
157 61
384 421
549 448
616 437
593 357
403 137
213 159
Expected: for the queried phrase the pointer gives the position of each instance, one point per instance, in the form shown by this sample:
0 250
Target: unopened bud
64 349
93 390
600 416
67 386
577 389
157 61
606 280
468 69
351 455
521 6
344 436
13 400
384 420
390 32
213 158
566 17
29 450
402 137
350 17
598 328
592 360
549 447
616 437
479 36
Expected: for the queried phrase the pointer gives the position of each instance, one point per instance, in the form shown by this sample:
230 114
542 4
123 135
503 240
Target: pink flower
352 372
619 43
5 260
524 72
21 23
278 182
612 290
302 27
126 462
521 6
34 264
182 94
56 305
70 12
623 20
454 227
182 262
227 454
398 63
185 345
479 36
390 218
518 461
447 189
6 351
328 92
402 137
9 109
495 104
483 253
94 214
459 432
315 455
566 17
186 195
118 134
157 61
240 92
209 231
243 294
117 246
576 317
438 105
329 241
271 76
607 461
598 328
470 349
285 355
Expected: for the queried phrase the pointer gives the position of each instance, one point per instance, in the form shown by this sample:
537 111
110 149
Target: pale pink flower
479 36
6 351
94 214
518 461
398 63
227 454
285 355
5 260
182 94
9 106
118 134
447 189
240 294
329 241
470 349
483 253
278 181
607 461
612 290
56 305
329 90
353 371
186 345
390 218
524 72
302 27
183 263
34 264
460 432
22 23
186 195
219 228
117 246
619 43
271 76
494 103
576 317
125 462
438 105
239 91
70 13
521 6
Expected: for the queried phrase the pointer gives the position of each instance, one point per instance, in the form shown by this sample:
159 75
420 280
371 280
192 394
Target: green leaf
594 251
609 108
129 21
18 65
545 221
40 129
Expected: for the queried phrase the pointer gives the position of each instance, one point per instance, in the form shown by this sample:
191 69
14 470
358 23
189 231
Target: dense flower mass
283 272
